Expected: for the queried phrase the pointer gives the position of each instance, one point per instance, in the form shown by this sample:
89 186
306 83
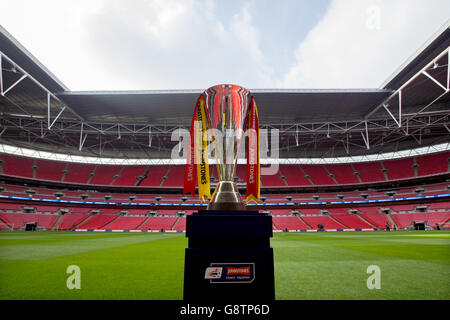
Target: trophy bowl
225 115
226 109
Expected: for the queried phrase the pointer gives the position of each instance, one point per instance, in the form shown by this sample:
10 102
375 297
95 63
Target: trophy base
229 257
226 198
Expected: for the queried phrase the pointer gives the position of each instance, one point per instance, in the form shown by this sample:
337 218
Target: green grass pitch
413 265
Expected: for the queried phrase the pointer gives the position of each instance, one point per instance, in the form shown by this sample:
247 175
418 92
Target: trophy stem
226 197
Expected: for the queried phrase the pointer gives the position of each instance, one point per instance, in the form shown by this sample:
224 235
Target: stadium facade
349 159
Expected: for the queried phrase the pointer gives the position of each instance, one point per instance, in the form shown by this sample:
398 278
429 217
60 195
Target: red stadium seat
130 175
50 170
158 223
439 206
181 224
71 220
433 164
369 171
18 220
175 177
377 219
97 221
351 221
154 176
343 173
11 206
326 221
318 174
399 169
290 223
294 176
104 174
17 166
172 176
125 223
78 173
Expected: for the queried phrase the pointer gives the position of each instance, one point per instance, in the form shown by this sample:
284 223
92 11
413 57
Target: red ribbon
253 165
190 171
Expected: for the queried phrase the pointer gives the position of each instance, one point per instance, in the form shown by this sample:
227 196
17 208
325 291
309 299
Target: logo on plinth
230 272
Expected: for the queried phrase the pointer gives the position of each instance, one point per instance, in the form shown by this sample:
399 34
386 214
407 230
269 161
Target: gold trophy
224 114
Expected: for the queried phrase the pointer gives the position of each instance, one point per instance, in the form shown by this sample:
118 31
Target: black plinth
229 257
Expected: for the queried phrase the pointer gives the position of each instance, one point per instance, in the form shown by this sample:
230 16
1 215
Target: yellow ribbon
204 188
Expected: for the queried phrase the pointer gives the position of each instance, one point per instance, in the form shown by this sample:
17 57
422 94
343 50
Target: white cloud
154 44
172 44
361 43
168 44
53 31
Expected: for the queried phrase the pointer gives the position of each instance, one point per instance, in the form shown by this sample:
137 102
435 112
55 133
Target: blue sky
194 44
283 25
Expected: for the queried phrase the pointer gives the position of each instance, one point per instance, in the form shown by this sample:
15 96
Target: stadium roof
410 110
430 49
176 106
12 48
